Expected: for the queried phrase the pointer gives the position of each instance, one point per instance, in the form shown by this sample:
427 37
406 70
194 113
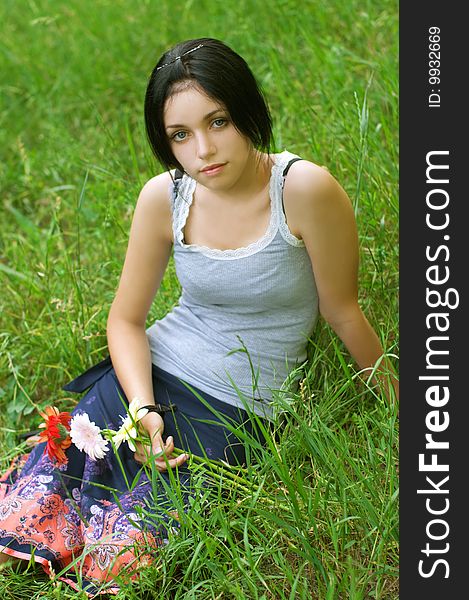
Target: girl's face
204 140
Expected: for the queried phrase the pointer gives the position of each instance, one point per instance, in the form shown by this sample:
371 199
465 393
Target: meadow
317 516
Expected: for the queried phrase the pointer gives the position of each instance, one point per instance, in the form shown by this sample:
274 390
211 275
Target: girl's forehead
190 102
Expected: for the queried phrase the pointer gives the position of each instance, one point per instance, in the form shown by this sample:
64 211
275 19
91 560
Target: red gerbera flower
56 433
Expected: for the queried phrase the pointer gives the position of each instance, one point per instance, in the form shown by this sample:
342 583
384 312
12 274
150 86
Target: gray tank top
244 315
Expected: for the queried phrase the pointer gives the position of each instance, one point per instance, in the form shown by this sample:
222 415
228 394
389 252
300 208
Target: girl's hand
160 452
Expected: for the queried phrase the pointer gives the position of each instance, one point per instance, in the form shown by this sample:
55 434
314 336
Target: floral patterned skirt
95 519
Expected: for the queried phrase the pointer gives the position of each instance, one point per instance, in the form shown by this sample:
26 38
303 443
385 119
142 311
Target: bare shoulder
153 204
156 191
309 181
311 193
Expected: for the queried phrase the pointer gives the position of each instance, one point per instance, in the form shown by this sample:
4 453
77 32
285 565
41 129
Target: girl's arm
147 256
326 223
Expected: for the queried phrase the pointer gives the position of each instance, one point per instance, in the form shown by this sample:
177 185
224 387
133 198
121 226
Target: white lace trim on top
185 195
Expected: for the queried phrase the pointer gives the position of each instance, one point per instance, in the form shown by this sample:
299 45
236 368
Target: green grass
320 515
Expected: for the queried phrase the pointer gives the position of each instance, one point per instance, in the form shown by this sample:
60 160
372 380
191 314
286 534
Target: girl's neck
253 182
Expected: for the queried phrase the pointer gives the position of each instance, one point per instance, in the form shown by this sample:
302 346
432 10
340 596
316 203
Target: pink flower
87 437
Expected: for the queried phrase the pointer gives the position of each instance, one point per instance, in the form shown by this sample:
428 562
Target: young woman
262 243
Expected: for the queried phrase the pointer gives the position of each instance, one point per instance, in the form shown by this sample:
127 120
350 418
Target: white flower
128 429
87 437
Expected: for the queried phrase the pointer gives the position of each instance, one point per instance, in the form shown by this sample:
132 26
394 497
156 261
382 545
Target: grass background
73 156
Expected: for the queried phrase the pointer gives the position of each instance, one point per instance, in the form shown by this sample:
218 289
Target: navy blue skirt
96 520
198 426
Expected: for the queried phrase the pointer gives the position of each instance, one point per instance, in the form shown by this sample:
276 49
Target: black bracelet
159 408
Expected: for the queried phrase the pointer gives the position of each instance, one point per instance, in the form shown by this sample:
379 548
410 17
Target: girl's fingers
158 445
162 461
169 445
163 465
143 453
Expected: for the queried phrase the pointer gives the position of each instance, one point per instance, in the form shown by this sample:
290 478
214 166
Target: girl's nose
205 146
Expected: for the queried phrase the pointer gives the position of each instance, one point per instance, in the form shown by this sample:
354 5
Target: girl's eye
179 136
219 122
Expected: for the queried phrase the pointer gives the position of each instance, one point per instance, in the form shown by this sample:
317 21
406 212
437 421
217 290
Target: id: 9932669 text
434 62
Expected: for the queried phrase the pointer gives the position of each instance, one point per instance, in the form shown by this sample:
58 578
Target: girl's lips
214 170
